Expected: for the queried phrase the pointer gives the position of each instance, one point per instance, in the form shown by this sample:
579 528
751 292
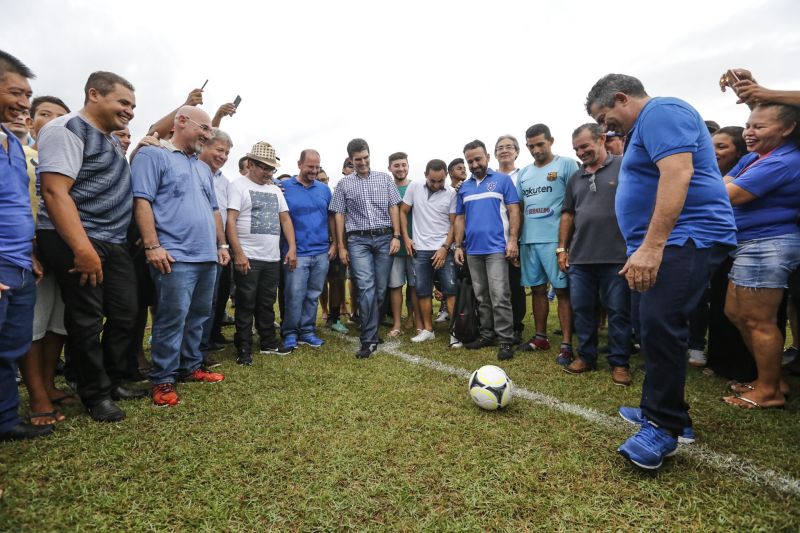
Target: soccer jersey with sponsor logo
541 193
72 147
258 225
484 206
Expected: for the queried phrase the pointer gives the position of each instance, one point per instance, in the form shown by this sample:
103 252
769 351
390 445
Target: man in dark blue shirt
17 283
675 216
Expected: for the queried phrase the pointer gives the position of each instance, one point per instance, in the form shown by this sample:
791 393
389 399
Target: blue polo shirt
180 190
308 209
16 217
485 213
775 181
664 127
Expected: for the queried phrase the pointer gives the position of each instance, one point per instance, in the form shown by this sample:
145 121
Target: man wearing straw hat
257 212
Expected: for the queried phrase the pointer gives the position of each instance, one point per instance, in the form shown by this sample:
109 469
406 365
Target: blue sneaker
312 340
565 356
290 342
648 448
634 416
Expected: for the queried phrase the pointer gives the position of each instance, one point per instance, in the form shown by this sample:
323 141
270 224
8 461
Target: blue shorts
426 274
765 263
540 264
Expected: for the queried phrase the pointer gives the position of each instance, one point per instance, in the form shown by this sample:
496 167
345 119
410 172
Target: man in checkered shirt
365 204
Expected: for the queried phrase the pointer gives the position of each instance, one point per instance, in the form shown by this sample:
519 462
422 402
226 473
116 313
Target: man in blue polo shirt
308 201
487 213
177 214
17 283
678 225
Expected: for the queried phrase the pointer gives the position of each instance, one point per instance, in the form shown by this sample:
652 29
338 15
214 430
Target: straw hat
265 153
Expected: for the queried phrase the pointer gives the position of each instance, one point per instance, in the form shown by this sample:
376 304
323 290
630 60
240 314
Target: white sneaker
442 316
423 336
697 358
455 343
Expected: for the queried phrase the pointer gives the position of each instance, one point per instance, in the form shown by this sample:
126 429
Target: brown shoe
621 376
578 366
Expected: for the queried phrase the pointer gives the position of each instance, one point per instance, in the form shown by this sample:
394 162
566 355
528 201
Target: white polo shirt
430 214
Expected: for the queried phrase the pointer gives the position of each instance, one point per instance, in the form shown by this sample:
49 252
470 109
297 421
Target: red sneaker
164 394
202 375
535 344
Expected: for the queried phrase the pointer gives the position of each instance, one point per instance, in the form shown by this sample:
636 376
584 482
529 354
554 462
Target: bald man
177 214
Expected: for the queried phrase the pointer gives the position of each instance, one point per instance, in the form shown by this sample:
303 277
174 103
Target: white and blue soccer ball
490 388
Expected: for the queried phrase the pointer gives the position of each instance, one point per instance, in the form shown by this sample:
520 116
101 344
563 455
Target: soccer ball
490 388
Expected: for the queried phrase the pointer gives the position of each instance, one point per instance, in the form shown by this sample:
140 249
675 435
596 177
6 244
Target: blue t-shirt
541 193
72 147
664 127
180 190
16 217
308 209
775 180
486 215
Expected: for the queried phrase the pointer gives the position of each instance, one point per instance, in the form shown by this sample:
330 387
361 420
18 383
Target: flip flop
395 333
742 388
737 398
54 414
66 399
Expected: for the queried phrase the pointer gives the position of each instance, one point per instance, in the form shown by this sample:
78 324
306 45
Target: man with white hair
177 214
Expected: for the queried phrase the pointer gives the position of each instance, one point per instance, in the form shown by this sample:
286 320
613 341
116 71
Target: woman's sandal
737 399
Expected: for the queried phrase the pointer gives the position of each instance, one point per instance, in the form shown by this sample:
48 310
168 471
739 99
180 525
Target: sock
566 345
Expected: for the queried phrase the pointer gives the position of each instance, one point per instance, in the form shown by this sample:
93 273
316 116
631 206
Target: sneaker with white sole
633 415
443 316
648 448
455 343
697 358
423 336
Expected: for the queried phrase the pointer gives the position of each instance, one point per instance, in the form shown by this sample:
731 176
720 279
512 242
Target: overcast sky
420 77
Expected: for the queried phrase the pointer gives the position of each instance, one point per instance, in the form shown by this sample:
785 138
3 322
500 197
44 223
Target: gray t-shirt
70 146
597 238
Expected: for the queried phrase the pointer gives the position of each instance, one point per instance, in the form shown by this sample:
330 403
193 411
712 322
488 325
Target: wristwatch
396 237
224 247
559 250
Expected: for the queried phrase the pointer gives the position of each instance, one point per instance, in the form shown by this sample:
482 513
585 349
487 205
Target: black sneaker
244 358
210 362
505 352
478 344
366 350
274 347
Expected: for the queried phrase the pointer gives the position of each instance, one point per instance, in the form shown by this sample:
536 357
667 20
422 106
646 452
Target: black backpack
464 324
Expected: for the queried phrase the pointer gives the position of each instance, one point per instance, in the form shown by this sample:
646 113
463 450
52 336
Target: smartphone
237 101
204 85
732 76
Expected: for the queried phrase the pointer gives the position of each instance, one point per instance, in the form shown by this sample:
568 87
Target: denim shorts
402 271
765 263
426 274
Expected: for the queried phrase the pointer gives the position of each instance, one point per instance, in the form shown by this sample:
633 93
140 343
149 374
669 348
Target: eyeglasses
205 127
263 166
505 147
592 184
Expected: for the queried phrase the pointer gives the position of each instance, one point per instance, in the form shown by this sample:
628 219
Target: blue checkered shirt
365 202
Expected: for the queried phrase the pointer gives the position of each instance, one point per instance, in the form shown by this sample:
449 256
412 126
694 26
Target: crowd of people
670 229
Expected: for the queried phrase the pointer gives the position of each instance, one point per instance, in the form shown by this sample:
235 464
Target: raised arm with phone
751 93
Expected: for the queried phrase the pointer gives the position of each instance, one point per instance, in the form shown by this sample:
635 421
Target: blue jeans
16 331
585 283
205 337
664 312
370 263
303 287
183 304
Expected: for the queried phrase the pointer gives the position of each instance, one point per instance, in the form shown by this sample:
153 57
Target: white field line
718 461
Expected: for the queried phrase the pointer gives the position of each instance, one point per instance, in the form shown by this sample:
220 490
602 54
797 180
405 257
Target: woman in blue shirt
764 188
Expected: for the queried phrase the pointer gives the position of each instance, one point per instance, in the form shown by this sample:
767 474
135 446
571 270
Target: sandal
741 388
737 400
395 333
66 399
54 415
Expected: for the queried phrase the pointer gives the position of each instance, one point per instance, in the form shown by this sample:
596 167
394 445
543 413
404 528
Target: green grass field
320 441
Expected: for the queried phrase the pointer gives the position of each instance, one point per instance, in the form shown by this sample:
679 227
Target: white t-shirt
258 225
221 184
430 214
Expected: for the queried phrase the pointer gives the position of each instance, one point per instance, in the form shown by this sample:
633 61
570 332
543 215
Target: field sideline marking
718 461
